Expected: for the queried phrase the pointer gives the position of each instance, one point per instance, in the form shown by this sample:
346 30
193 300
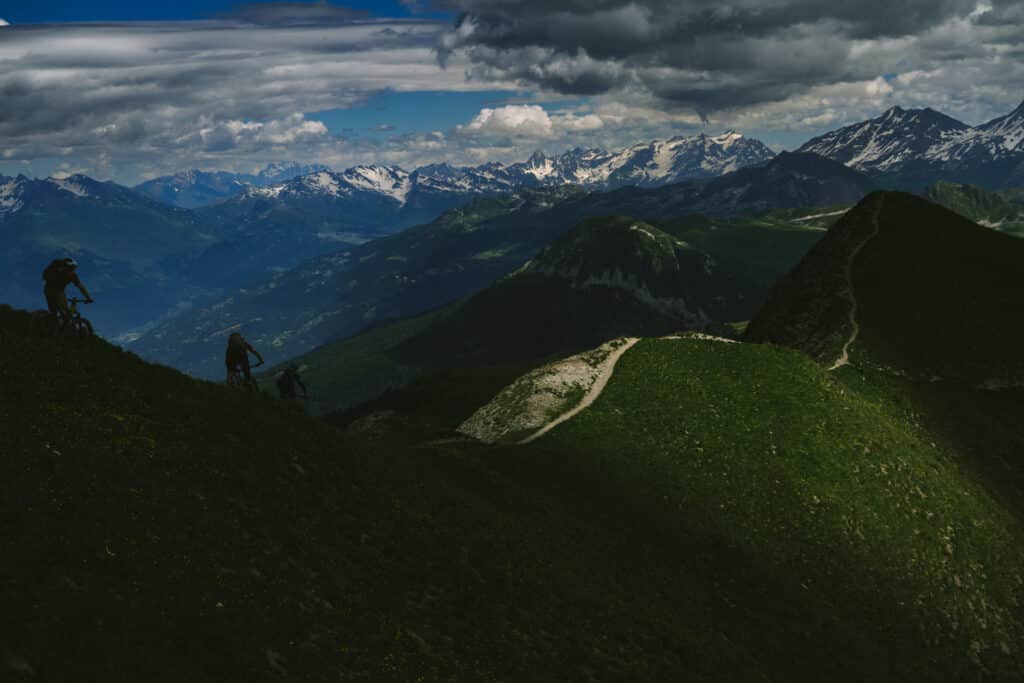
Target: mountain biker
289 382
58 275
237 356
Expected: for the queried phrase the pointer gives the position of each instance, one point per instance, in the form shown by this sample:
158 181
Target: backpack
236 342
53 271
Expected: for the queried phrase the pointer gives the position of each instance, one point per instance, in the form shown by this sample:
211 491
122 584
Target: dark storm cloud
712 55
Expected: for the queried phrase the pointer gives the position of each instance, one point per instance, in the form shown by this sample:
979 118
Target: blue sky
389 112
40 11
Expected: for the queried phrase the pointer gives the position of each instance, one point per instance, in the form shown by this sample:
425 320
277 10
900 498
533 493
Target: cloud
4 22
712 58
137 97
141 99
234 134
527 121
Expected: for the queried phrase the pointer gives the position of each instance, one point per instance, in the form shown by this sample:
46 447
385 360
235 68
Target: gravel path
844 357
605 374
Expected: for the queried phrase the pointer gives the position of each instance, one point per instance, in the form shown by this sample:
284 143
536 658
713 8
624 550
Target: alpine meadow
475 340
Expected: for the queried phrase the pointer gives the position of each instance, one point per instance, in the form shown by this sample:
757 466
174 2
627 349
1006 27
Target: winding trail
844 357
607 370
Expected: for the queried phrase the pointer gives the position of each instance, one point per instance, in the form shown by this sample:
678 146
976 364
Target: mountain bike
236 379
70 323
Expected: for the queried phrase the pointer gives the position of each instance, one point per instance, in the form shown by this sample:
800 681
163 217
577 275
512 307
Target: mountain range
269 222
194 188
911 148
648 164
463 251
238 228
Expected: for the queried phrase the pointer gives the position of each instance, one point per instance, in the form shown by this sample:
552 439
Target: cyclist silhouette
237 356
289 383
58 275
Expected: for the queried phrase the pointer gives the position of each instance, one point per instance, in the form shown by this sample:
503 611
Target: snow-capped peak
899 137
393 182
894 138
71 184
10 194
1007 131
322 182
727 139
269 192
645 164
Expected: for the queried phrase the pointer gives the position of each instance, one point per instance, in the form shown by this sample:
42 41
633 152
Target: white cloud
577 123
4 22
528 121
515 120
234 133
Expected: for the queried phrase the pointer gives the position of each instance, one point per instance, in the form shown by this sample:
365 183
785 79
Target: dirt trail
606 372
844 357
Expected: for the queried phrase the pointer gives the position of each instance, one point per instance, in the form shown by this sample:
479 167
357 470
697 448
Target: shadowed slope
938 296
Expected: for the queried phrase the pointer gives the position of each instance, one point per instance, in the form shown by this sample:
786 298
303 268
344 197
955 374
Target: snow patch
10 196
394 183
323 182
643 231
70 186
272 192
820 215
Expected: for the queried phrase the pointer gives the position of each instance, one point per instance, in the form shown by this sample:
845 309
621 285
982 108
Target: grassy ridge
988 208
842 494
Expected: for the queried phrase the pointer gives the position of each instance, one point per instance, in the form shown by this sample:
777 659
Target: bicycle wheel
81 328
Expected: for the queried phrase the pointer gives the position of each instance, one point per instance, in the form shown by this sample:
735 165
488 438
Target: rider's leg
56 301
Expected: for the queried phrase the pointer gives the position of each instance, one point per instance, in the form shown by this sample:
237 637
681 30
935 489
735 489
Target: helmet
70 263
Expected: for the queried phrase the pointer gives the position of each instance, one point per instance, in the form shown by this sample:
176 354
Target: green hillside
723 512
161 528
605 278
991 209
895 561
